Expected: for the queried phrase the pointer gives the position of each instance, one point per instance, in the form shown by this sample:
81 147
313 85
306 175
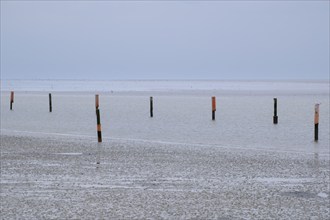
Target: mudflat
47 177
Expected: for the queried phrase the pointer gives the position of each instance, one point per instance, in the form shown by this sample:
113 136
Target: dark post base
99 136
151 107
275 119
98 122
50 103
316 132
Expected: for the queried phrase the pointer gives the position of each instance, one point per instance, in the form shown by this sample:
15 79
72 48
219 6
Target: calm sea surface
182 112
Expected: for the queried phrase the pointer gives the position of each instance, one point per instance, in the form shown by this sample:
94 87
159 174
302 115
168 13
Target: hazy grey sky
165 40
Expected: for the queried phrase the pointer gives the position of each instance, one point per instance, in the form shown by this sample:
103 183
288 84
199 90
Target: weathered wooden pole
11 100
316 122
151 107
275 117
98 122
96 101
50 103
98 119
214 107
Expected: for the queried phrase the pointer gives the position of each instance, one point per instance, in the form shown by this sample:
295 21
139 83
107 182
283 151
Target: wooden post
98 119
50 102
275 117
316 122
11 100
214 108
96 101
151 107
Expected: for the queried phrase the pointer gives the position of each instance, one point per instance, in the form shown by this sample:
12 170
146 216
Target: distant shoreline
180 80
169 86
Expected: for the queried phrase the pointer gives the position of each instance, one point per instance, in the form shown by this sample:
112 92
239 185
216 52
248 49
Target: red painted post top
316 115
214 107
12 96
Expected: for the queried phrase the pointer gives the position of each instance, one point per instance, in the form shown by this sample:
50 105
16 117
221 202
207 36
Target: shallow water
242 121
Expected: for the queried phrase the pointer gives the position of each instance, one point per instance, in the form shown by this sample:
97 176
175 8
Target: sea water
182 112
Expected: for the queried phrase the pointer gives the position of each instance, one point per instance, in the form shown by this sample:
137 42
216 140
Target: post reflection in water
316 162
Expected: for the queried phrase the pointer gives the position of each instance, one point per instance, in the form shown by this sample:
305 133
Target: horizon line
170 79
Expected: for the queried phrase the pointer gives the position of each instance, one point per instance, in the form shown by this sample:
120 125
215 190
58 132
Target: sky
113 40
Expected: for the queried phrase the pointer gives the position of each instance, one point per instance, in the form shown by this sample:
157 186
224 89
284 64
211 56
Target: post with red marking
316 122
11 100
214 108
275 117
98 119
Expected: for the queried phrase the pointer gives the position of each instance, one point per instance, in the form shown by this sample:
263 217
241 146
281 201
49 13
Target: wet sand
57 177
